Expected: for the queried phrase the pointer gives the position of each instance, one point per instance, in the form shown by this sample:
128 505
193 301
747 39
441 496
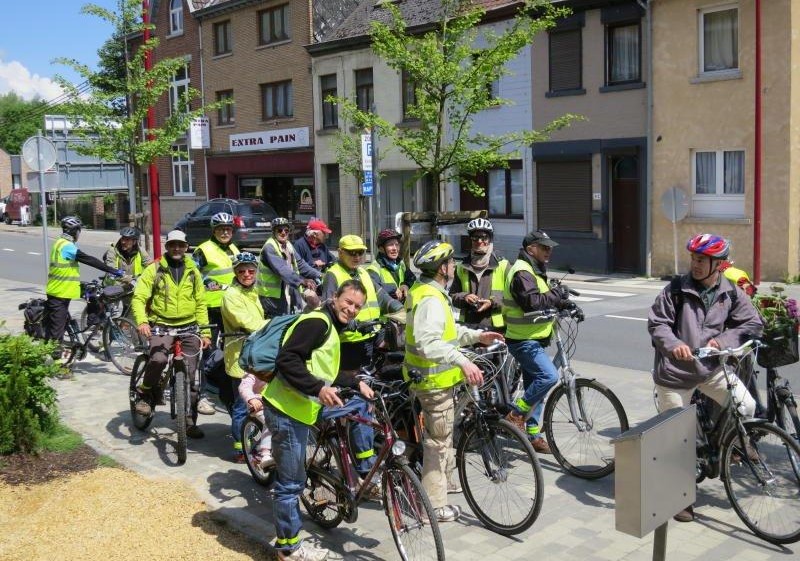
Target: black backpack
33 310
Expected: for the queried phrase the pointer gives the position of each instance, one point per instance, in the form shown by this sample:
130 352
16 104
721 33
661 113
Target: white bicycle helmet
221 219
479 224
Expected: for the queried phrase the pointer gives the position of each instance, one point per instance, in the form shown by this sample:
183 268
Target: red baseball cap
318 225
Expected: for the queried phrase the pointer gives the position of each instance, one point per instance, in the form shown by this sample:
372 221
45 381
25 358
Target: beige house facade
704 103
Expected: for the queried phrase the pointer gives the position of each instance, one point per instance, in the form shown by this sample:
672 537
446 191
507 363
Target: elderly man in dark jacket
707 311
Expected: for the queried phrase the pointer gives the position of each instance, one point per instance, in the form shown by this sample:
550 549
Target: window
718 180
719 39
624 54
178 91
492 88
564 191
225 114
277 100
175 17
409 96
222 38
330 113
182 170
504 191
274 25
365 96
565 61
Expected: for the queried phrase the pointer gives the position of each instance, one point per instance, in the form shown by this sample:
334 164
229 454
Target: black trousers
56 317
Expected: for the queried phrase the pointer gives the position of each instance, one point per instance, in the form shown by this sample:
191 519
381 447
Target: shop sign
304 195
269 140
199 133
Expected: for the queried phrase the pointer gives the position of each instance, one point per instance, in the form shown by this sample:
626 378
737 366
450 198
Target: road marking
33 253
603 293
625 317
7 249
584 299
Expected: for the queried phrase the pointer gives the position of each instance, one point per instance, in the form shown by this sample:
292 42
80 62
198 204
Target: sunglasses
354 252
282 229
480 238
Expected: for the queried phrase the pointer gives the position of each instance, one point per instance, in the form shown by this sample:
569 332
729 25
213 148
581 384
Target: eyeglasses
282 229
480 238
354 252
246 271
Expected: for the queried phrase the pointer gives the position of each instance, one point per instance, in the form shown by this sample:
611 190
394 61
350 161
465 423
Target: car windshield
257 208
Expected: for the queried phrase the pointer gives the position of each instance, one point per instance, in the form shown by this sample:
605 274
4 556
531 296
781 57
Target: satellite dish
39 153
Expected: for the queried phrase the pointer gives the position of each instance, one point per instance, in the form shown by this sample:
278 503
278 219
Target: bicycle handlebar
705 352
365 327
175 331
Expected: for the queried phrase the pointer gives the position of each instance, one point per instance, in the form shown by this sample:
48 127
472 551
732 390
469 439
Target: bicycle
175 384
756 460
333 494
581 416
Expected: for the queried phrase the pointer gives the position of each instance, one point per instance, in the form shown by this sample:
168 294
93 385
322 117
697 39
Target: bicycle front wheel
122 342
141 422
252 432
325 497
180 409
411 518
501 476
761 481
582 445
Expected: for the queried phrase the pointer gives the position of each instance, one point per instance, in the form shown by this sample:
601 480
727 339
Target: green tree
452 68
19 120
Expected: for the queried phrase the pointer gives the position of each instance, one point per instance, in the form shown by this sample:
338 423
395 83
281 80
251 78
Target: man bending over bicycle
307 368
704 310
170 294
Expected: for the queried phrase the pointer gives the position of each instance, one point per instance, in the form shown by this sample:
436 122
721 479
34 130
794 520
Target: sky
37 31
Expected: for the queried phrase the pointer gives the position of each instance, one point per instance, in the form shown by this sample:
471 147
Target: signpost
367 186
40 155
675 207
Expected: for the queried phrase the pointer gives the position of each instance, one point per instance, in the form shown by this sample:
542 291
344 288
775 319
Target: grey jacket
729 324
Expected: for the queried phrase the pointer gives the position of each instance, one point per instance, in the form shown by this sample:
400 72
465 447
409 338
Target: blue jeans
289 439
238 413
361 436
539 374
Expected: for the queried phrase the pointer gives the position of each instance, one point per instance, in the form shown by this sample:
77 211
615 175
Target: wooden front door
626 214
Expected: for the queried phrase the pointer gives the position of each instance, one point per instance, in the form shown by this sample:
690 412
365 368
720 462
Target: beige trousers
438 460
715 388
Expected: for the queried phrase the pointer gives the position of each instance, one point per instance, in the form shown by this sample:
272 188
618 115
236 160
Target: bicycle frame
567 377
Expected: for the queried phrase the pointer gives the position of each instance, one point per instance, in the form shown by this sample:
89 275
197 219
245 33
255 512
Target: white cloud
15 77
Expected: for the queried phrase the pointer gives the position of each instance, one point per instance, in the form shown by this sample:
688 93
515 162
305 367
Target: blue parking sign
367 185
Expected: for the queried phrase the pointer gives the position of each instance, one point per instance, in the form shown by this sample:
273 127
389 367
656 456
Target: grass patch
61 439
106 461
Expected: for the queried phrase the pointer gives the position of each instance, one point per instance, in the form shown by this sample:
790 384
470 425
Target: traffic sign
39 153
367 186
366 152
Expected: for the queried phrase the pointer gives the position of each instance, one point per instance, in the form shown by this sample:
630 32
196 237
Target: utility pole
152 174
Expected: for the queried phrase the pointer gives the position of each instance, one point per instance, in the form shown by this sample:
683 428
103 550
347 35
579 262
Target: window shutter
565 60
564 192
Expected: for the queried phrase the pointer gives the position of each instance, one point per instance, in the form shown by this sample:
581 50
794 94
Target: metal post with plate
367 186
675 206
40 155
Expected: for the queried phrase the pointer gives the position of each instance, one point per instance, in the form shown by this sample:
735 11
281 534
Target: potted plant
780 316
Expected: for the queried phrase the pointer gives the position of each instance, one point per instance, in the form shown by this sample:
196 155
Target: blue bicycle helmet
244 258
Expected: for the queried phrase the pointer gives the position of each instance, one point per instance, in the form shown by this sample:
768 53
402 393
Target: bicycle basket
781 346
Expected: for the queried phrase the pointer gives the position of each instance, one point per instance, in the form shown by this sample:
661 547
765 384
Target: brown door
625 214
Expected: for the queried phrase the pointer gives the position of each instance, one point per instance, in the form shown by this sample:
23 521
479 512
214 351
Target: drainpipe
648 228
758 155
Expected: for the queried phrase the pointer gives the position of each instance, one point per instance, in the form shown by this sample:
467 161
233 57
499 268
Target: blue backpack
261 347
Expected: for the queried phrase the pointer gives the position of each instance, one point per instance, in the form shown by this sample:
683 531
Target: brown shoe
686 515
541 446
517 420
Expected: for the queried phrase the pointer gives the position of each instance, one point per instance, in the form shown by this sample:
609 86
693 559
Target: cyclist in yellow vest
388 268
527 290
214 258
64 276
126 254
307 369
432 347
357 347
477 288
282 274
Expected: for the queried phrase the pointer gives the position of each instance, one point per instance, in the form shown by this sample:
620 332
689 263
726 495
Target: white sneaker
267 461
205 407
305 552
448 513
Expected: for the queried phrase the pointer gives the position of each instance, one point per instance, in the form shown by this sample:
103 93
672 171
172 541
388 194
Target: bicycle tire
141 422
585 454
70 345
763 492
252 431
180 408
325 498
411 517
504 448
122 342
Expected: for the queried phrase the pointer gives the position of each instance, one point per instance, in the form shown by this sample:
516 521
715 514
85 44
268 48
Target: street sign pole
675 207
367 186
40 155
42 202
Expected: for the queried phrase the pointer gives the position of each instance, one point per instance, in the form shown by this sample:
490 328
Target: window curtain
720 40
625 53
497 192
705 173
734 173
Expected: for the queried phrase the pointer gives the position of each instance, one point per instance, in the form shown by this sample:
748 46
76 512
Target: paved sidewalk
576 522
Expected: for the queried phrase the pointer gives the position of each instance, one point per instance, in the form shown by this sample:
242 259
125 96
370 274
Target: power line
42 109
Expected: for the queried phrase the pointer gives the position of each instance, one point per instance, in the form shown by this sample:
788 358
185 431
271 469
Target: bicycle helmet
221 219
129 232
431 255
710 245
244 258
278 222
71 224
479 224
386 235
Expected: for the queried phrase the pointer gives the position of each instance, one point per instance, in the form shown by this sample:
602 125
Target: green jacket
158 299
241 311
